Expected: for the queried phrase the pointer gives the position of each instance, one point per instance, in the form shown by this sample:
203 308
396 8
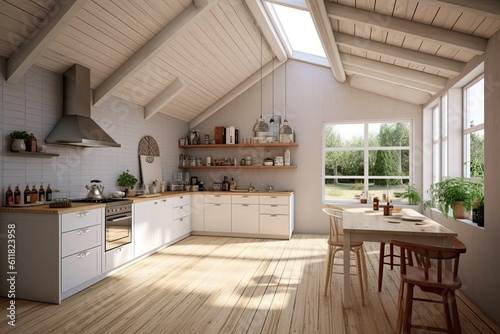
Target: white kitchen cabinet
142 228
276 216
162 221
118 256
81 247
181 217
80 267
218 213
245 214
198 212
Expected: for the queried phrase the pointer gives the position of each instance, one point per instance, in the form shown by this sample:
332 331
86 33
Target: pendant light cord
261 78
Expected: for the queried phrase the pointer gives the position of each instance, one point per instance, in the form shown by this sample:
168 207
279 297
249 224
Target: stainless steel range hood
76 127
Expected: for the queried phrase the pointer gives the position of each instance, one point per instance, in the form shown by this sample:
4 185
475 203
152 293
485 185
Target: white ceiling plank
162 99
325 33
401 53
150 50
410 28
20 62
267 28
488 8
241 88
394 91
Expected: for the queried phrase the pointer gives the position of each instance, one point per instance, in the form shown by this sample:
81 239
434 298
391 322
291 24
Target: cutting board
149 157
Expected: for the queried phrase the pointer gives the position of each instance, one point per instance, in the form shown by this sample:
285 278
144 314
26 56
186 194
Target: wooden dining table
362 224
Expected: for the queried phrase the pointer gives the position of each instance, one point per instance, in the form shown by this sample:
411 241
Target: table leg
347 269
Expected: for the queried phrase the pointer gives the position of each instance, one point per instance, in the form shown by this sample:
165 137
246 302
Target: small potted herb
18 140
455 193
127 182
412 194
478 211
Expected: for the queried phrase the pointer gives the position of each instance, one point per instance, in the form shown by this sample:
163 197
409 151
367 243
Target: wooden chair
432 279
336 243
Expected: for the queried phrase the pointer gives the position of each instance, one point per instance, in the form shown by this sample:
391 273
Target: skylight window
298 32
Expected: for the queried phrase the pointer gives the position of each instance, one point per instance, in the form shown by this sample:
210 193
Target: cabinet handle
274 197
274 216
216 195
82 214
180 207
82 255
83 231
164 200
244 204
156 203
274 206
181 219
245 196
217 204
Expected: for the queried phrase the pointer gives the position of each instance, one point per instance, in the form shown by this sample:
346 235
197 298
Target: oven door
118 230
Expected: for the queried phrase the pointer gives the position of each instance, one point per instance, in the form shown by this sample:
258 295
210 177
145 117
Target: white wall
35 105
480 266
313 97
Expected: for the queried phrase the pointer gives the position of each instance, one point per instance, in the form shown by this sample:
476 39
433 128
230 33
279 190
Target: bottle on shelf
27 195
9 196
34 194
41 193
225 184
48 194
232 184
287 157
236 136
17 195
375 203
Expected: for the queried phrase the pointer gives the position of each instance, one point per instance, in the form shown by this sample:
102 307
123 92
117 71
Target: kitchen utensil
118 194
95 190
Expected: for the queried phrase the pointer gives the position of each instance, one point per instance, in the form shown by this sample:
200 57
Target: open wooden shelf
240 145
31 154
238 167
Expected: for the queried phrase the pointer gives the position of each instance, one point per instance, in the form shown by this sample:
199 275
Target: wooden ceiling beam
151 49
446 37
388 89
267 29
39 40
415 57
392 73
162 99
325 33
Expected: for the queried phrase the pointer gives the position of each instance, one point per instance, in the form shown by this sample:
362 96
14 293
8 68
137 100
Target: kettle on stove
95 190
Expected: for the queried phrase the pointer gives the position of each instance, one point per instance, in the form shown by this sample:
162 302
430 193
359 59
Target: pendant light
261 126
286 132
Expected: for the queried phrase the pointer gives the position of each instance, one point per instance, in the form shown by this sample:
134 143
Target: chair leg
381 266
391 256
399 325
408 309
328 268
360 273
446 302
365 270
454 312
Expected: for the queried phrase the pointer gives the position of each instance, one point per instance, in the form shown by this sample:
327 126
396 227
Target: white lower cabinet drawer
81 219
181 211
274 224
78 240
181 226
80 267
118 256
181 200
270 199
274 209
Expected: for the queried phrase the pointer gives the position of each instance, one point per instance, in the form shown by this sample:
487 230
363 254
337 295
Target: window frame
366 153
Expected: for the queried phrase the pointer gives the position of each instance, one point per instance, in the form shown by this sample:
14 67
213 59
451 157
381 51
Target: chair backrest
335 223
425 253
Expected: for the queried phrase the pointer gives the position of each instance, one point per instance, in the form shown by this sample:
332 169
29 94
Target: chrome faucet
268 188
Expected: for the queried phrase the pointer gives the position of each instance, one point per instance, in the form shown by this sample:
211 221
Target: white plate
413 218
397 215
394 221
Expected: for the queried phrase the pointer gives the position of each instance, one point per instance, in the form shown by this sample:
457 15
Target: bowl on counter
118 194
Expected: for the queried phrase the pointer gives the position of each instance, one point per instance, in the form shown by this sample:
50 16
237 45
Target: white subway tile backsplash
35 104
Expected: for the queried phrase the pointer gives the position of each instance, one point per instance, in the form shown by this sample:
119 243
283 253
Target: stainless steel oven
118 224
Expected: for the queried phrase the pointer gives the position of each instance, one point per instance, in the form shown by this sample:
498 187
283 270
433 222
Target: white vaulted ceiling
188 58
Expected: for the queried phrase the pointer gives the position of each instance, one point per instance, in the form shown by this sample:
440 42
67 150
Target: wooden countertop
75 207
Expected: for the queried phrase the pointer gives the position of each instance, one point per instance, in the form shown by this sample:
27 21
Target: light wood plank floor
230 285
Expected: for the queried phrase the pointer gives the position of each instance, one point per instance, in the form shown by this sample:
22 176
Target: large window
474 129
440 140
365 158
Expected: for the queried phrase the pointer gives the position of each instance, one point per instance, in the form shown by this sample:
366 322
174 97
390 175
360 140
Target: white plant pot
18 145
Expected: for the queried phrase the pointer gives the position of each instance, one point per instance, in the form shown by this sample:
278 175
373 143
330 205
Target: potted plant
454 193
18 140
127 182
412 194
478 211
